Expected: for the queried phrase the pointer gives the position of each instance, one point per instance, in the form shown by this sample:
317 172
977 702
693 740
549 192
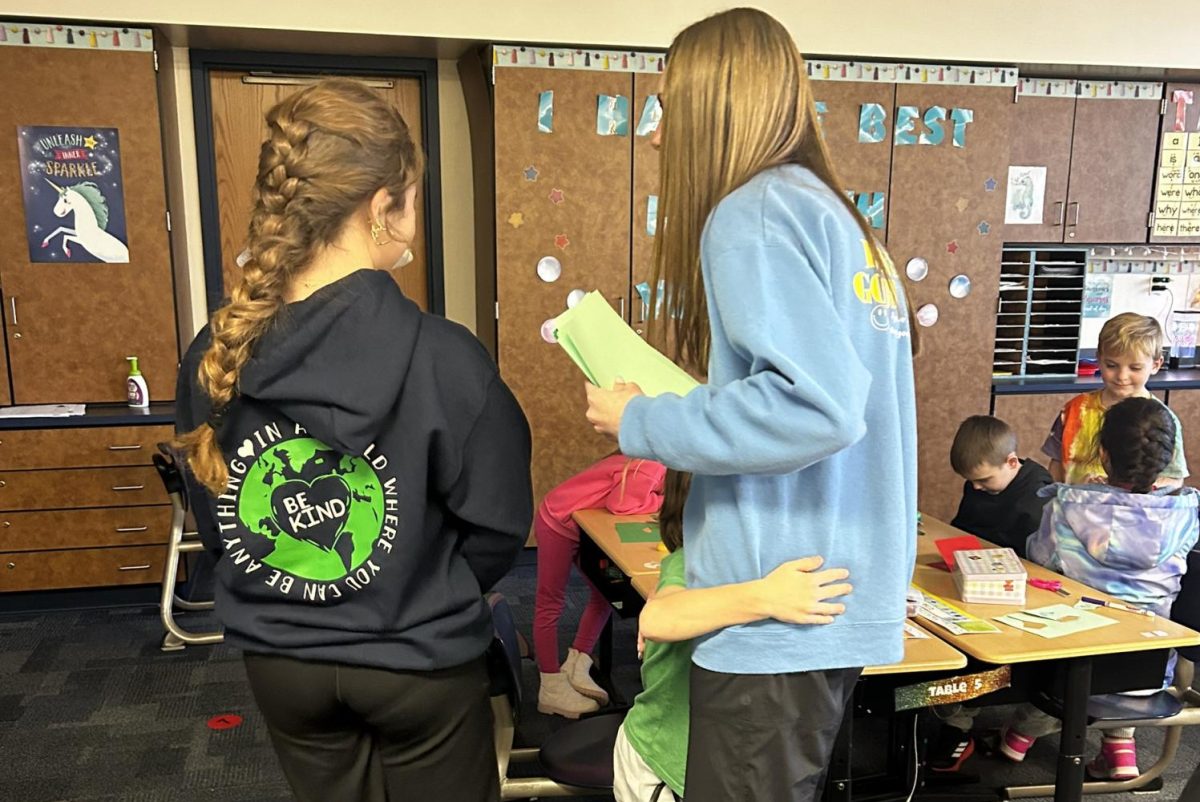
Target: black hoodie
1009 517
379 483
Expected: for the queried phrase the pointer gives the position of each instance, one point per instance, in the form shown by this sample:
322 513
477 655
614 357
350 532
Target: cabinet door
1177 187
645 188
1031 415
943 211
1112 170
70 325
1186 406
1041 137
5 385
863 165
563 194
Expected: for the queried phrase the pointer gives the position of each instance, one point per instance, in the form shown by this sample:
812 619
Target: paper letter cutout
906 122
872 123
961 118
546 112
934 117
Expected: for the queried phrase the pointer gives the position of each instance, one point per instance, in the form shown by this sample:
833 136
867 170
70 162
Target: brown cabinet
943 212
1177 179
81 507
563 194
1186 406
1096 141
863 162
1112 170
70 325
645 187
1041 137
1031 416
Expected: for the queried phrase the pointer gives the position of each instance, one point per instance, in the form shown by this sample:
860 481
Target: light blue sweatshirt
803 441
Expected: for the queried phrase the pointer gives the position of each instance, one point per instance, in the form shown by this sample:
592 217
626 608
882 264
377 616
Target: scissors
1049 584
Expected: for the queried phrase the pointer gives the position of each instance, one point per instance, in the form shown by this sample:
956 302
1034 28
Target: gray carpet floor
92 711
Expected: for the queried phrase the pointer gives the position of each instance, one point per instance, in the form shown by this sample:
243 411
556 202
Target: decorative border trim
1147 259
911 73
566 58
75 37
1048 87
1119 90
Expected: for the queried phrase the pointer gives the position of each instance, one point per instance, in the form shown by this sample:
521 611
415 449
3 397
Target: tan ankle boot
558 698
578 669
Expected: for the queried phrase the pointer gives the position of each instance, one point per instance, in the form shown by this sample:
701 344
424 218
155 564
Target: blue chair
577 761
1173 708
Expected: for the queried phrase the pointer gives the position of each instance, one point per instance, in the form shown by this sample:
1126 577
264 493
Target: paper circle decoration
549 269
927 315
916 269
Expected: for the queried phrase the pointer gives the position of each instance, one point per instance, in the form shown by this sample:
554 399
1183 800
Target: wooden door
70 325
1177 179
1112 170
5 382
1041 137
1186 406
863 164
943 211
563 194
239 111
644 198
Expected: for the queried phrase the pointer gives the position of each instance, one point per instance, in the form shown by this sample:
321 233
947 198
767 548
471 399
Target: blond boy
1129 352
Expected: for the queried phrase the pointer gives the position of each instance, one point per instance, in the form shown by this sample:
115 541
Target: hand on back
797 593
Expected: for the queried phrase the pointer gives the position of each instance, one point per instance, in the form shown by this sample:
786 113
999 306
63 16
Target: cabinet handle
145 567
12 566
3 483
1062 212
12 302
128 487
621 303
124 448
1074 218
124 529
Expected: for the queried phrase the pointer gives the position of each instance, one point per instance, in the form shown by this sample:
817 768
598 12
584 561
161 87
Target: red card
948 545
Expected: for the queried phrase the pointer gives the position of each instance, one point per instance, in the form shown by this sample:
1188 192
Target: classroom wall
1020 31
1112 32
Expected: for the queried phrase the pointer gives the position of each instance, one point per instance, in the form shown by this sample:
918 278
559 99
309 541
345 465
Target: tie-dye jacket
1133 546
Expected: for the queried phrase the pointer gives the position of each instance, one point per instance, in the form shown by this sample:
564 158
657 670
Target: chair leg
1169 750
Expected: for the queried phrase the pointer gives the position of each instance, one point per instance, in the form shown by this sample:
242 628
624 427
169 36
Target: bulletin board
1177 183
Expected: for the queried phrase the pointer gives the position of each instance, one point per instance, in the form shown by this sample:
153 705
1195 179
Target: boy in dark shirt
1000 503
1000 496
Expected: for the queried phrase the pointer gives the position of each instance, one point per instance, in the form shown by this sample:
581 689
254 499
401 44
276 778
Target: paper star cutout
562 242
961 204
531 173
952 246
516 219
556 196
990 185
89 142
984 228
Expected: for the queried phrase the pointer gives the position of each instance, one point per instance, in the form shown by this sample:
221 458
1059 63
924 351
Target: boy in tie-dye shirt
1130 352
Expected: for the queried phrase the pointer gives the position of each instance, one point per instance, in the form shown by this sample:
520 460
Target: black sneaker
949 750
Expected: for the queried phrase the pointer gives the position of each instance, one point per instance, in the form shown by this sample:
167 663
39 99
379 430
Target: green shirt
657 725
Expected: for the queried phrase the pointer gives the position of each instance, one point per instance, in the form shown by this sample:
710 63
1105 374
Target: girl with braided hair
359 470
1125 538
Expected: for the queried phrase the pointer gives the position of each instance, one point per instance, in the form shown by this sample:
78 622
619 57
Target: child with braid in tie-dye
1122 537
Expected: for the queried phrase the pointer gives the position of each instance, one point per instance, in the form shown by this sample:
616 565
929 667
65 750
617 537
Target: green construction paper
639 532
606 349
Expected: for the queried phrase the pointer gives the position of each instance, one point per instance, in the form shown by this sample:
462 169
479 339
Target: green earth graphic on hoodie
321 510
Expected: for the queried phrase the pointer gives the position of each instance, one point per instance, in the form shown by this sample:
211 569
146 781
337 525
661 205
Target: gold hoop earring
377 228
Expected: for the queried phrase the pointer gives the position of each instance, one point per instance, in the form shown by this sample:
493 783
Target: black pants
763 736
354 734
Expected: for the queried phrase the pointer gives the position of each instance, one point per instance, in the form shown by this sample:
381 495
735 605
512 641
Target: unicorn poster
74 194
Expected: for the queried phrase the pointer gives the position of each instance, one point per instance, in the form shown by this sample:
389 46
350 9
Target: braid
1139 436
330 148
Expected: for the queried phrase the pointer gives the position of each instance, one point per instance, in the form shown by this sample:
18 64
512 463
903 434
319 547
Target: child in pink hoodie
623 486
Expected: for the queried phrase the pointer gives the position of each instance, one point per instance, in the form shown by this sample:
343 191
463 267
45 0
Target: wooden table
1076 652
632 558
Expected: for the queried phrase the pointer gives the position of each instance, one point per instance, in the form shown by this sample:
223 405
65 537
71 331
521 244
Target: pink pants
556 552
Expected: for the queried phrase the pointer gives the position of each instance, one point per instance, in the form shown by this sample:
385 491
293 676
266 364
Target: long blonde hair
330 148
737 101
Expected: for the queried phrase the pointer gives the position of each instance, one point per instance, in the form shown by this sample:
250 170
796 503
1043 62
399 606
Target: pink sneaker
1117 760
1014 745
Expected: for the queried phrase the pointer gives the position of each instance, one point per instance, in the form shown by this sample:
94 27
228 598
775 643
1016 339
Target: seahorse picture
1026 198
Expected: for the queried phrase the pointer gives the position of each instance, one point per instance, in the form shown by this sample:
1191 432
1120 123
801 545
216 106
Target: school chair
577 760
1174 708
180 541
